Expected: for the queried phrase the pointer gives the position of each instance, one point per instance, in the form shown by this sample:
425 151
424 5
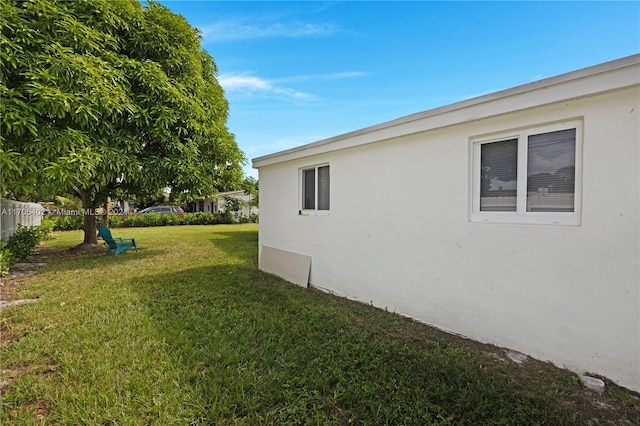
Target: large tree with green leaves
251 187
102 97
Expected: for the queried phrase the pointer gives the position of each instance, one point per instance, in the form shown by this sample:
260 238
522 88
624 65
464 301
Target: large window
529 176
315 184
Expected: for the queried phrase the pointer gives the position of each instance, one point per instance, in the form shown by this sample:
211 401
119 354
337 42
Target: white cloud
331 76
259 86
252 85
238 30
235 82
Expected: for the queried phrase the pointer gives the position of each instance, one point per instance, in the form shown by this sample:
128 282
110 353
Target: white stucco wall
399 235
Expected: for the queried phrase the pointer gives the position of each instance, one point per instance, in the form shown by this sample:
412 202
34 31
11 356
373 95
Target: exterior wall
567 294
214 205
207 205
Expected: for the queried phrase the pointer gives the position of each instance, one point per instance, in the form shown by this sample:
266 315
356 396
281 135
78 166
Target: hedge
67 223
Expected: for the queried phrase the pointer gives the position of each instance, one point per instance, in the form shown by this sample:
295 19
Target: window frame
521 215
301 185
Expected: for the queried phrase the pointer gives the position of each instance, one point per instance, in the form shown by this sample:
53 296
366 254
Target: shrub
115 220
169 219
225 217
252 218
5 258
45 228
191 218
23 241
68 222
128 221
199 219
144 220
150 219
233 205
211 219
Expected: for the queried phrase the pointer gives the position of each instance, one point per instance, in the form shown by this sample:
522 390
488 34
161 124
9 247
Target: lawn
189 332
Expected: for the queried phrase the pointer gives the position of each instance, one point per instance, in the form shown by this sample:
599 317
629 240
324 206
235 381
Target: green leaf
105 97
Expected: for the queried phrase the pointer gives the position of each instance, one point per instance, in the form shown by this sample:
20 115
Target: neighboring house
203 205
514 218
216 204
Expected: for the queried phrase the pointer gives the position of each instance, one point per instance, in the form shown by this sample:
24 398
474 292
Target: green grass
189 332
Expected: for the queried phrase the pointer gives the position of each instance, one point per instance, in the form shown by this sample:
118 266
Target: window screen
551 171
323 188
499 176
309 189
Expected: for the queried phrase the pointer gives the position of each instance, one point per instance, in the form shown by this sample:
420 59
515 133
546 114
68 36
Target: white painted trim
315 211
606 77
521 215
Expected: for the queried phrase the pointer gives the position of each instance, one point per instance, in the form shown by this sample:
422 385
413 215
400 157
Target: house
203 205
216 203
514 218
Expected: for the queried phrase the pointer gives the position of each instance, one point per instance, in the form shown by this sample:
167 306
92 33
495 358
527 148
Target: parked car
163 210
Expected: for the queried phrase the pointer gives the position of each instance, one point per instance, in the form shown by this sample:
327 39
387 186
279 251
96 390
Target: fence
14 213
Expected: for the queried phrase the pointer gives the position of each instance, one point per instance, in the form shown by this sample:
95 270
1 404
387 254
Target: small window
551 172
309 189
315 184
529 176
499 176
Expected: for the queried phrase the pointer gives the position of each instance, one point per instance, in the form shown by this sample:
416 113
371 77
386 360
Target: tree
250 186
99 97
232 205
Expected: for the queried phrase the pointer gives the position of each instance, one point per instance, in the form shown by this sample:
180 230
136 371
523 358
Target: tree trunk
89 210
105 216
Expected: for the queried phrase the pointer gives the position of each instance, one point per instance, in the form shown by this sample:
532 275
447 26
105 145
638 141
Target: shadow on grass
248 346
242 245
217 341
239 245
64 260
63 256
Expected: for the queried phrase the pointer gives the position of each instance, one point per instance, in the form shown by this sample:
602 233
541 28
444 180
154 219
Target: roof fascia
582 83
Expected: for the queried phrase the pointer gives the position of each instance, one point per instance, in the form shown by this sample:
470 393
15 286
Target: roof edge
501 94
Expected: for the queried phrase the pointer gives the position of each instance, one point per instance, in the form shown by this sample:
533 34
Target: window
315 188
529 176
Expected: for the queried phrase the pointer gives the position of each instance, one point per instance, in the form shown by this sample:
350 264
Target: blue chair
117 244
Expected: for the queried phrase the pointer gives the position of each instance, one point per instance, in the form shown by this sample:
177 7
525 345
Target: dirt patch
41 256
7 304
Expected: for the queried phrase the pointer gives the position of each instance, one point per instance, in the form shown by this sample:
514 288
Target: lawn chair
117 244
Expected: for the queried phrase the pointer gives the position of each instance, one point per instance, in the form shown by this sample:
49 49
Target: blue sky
299 72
